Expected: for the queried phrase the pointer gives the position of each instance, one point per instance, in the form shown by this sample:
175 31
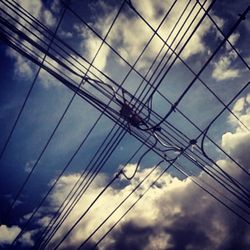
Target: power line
20 113
241 18
31 87
141 196
132 96
60 120
184 63
228 41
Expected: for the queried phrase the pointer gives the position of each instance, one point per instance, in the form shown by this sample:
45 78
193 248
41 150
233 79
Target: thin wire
173 50
30 89
241 18
222 33
215 118
60 120
121 203
139 162
101 193
19 115
87 210
143 194
160 93
177 56
85 186
50 225
57 179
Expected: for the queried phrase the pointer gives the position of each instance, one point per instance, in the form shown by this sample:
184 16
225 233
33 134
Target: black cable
60 120
101 193
241 18
222 33
87 210
190 69
90 206
138 163
173 50
19 115
215 118
30 89
160 93
65 204
210 186
56 181
121 203
143 194
84 186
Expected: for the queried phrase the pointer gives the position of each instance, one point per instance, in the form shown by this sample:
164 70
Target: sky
182 210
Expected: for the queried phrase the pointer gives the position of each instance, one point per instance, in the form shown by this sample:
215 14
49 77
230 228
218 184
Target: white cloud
48 18
66 34
29 165
173 215
241 108
8 234
233 40
26 239
22 66
237 143
222 69
130 34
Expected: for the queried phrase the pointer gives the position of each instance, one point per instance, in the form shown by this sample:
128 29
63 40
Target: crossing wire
103 191
19 115
167 99
144 193
135 63
60 120
242 17
30 89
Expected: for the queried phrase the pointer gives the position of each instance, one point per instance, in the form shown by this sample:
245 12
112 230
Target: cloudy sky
201 201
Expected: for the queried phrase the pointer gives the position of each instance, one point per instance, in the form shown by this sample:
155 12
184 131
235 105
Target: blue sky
172 211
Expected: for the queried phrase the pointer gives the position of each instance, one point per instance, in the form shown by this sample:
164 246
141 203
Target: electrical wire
188 67
144 193
241 18
215 118
121 203
31 88
151 103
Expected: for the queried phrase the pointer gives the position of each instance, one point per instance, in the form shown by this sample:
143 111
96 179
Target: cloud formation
8 234
222 69
130 34
22 66
175 214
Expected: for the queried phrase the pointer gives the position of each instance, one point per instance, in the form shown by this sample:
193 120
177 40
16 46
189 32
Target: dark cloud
186 232
131 236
